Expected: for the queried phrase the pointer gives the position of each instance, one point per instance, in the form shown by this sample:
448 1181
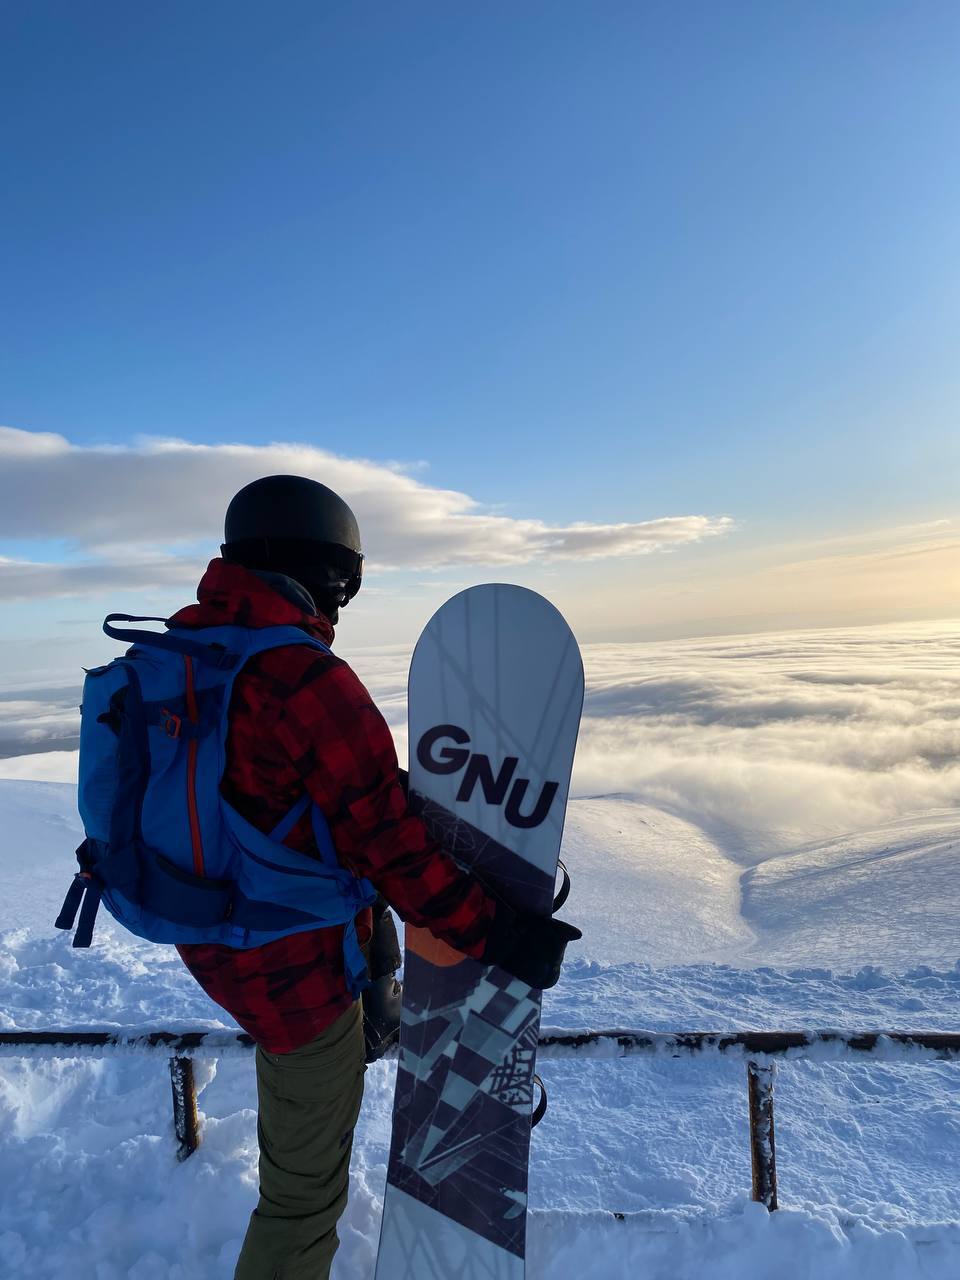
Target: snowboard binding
383 997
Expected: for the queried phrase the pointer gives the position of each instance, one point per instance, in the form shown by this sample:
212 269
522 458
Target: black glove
528 946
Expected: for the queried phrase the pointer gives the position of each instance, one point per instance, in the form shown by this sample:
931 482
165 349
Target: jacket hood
230 595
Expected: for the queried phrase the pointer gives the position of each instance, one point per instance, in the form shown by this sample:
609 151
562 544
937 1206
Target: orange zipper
194 714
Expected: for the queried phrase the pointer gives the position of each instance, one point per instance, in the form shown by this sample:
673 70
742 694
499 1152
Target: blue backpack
164 851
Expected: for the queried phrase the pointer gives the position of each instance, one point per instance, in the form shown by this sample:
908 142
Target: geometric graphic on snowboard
494 701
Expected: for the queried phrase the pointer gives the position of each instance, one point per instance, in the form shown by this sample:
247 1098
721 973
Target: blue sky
599 263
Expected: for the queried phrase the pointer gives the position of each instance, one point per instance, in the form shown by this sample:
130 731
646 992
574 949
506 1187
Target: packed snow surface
763 835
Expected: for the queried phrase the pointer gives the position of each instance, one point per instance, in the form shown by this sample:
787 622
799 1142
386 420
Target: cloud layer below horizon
125 512
764 742
772 741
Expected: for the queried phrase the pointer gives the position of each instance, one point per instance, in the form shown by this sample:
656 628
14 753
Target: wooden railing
759 1049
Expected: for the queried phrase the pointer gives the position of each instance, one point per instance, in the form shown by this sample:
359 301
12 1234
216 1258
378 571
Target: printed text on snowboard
496 788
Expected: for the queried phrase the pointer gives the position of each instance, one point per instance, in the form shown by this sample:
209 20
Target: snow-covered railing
759 1049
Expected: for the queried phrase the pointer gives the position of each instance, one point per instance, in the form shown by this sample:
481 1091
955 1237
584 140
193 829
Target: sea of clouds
765 741
773 740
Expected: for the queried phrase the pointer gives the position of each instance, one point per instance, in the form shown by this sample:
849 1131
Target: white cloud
120 506
39 720
29 580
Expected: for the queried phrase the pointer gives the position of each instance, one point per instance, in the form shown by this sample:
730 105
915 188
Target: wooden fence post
185 1120
763 1150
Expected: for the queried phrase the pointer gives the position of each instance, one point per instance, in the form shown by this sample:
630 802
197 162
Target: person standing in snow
301 723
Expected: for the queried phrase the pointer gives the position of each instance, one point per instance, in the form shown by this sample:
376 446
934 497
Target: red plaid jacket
300 719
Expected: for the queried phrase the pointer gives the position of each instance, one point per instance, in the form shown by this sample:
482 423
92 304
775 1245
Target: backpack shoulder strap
278 637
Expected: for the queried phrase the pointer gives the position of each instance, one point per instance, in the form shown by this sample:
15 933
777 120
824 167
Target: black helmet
291 524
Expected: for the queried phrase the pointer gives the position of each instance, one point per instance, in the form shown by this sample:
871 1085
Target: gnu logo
497 788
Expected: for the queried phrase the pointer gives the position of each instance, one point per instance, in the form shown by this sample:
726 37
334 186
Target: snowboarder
301 722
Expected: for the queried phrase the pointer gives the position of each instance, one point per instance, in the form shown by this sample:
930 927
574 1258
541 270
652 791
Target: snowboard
494 701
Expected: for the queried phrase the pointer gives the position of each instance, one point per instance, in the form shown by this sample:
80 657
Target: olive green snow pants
309 1103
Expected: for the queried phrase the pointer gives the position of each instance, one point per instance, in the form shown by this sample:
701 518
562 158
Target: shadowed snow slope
890 895
652 886
648 885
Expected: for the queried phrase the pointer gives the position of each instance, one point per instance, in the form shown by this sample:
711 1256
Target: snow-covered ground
762 835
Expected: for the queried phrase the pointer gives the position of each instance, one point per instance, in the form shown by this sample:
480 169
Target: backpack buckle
170 723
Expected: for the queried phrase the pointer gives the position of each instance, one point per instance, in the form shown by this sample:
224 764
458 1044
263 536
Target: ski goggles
320 562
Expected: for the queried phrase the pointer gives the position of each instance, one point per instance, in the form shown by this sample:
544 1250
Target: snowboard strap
541 1107
564 891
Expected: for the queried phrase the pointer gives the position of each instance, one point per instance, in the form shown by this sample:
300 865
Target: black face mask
329 598
332 582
